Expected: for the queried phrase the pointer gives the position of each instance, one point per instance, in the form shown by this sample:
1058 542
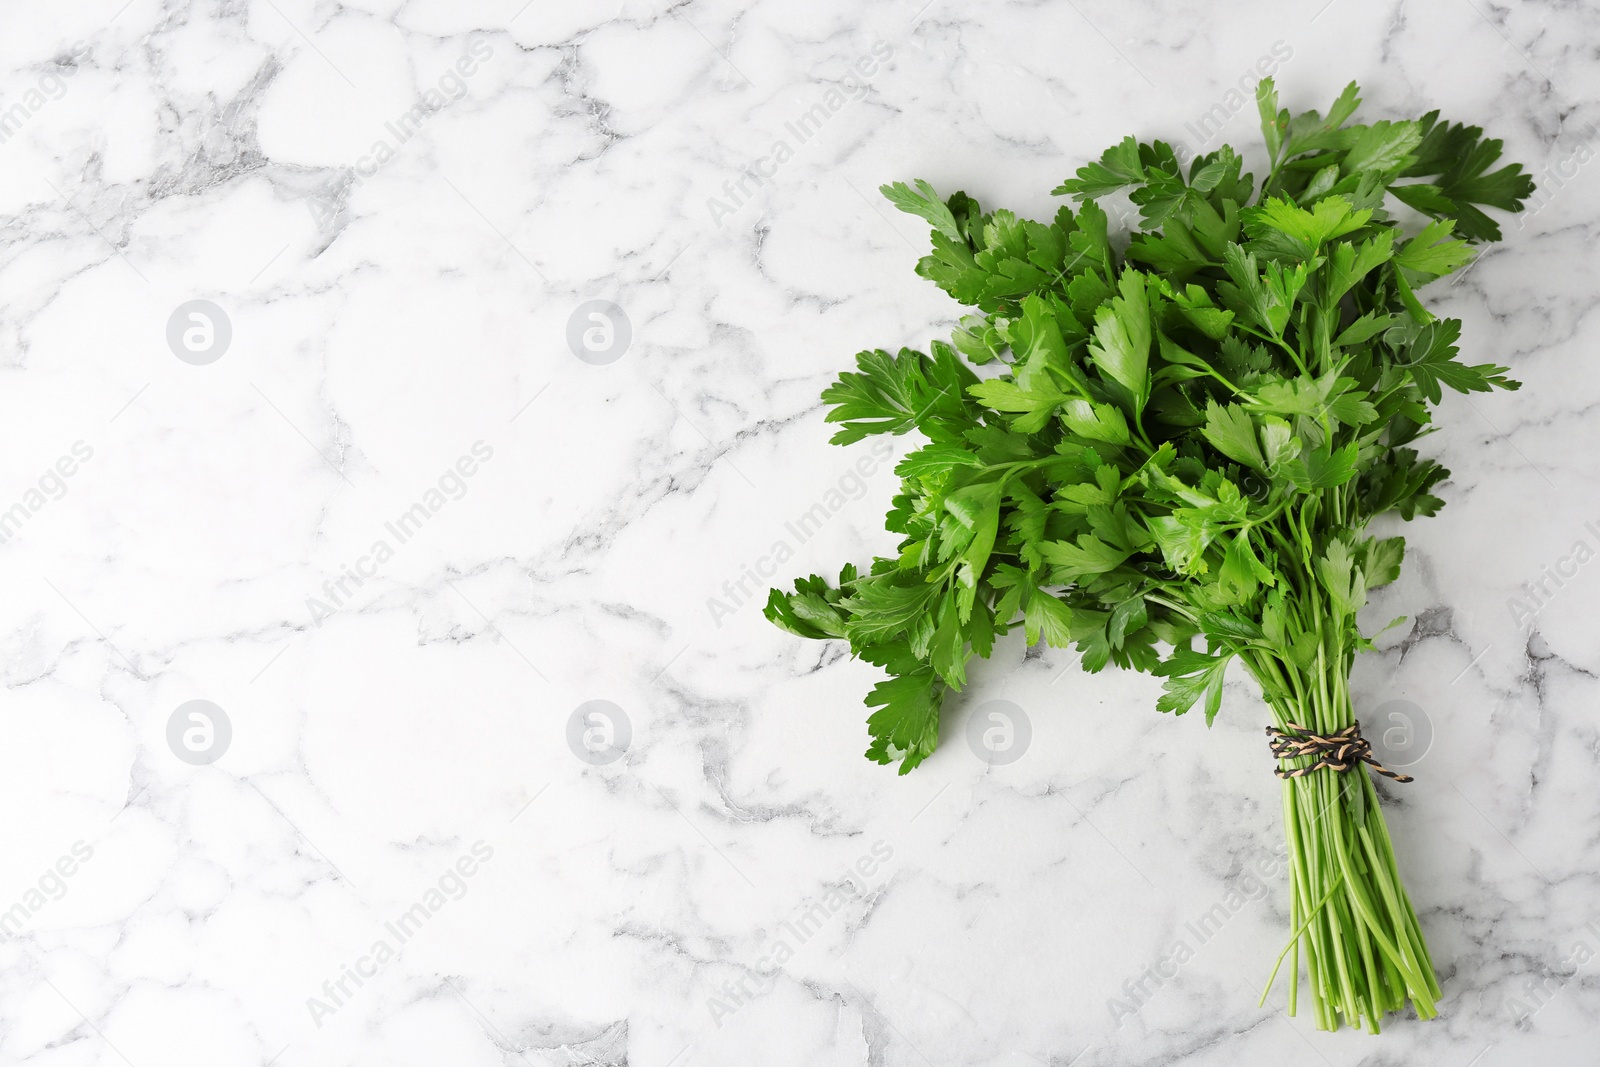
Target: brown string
1340 751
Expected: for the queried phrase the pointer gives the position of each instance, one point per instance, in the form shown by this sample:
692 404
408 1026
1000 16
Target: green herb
1184 446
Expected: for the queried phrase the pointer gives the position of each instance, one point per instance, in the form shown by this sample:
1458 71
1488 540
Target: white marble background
386 320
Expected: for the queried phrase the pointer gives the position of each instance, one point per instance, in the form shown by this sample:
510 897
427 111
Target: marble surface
371 506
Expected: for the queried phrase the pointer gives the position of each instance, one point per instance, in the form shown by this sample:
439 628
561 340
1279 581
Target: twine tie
1341 751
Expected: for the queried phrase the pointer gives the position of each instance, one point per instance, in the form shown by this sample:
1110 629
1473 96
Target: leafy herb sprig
1186 441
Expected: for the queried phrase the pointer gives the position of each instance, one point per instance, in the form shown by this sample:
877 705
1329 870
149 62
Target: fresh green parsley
1172 458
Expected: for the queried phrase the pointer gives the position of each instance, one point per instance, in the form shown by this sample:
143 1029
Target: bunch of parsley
1187 438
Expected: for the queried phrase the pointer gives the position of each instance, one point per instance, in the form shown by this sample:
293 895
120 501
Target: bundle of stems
1364 950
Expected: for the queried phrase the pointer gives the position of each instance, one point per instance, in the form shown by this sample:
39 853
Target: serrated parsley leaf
1121 345
1189 676
1433 251
906 725
1432 362
1118 166
924 203
1323 468
895 393
1383 147
1231 432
